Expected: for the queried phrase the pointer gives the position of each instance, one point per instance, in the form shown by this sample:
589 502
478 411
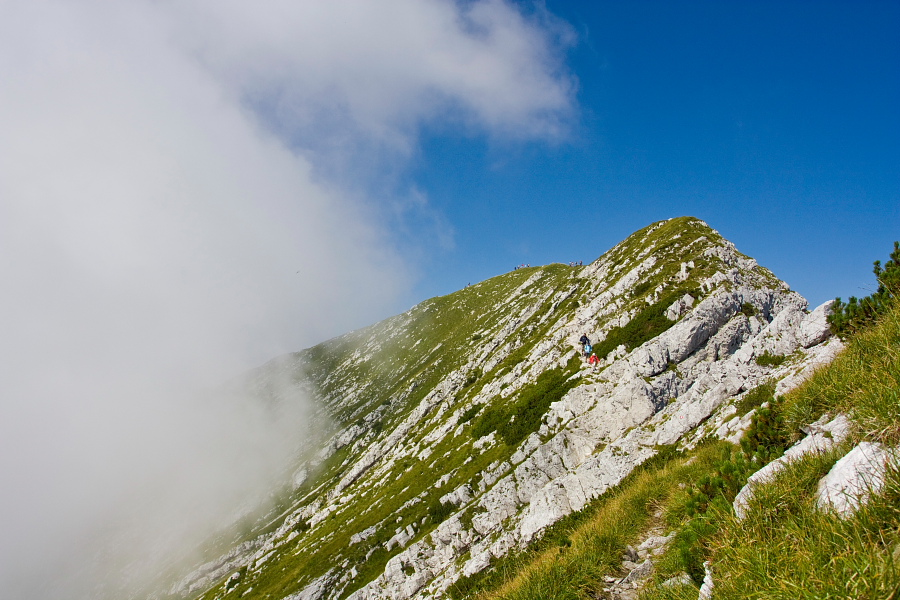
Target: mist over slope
186 190
466 426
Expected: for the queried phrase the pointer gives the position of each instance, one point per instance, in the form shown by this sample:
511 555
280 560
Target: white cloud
381 68
164 223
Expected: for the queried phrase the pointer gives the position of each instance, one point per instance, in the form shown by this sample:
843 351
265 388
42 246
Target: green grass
514 421
766 359
376 376
865 378
574 555
785 547
755 397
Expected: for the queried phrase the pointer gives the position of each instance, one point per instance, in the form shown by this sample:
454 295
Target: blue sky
775 122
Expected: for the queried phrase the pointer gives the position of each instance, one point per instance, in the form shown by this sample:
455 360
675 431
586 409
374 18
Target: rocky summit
459 431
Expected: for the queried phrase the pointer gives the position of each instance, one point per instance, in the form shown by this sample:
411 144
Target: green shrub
708 501
470 413
857 314
645 325
762 393
472 378
766 359
532 403
748 309
767 438
641 288
514 422
689 546
439 511
491 419
729 474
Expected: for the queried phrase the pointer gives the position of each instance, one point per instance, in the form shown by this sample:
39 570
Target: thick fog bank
173 211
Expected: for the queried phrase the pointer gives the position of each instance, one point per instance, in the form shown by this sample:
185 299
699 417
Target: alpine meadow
469 449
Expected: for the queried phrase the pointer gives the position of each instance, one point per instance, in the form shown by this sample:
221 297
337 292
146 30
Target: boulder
706 590
655 541
822 436
815 329
852 479
640 572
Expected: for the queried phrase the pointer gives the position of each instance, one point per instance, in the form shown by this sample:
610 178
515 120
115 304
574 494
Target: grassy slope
455 322
784 548
376 376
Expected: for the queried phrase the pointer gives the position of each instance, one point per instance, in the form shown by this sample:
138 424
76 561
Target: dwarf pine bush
857 314
767 359
514 422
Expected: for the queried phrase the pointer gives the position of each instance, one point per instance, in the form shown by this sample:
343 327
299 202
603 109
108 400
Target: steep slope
462 428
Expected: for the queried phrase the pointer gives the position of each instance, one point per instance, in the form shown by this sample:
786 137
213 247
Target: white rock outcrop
706 590
815 329
821 436
855 477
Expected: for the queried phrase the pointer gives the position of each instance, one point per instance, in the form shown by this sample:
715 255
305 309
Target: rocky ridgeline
725 313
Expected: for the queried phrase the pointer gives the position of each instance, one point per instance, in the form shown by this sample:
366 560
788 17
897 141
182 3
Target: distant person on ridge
593 361
583 340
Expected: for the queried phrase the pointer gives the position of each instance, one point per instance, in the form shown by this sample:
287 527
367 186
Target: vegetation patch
515 421
474 374
766 359
423 346
748 310
864 379
645 326
470 413
439 511
765 392
573 555
857 314
807 553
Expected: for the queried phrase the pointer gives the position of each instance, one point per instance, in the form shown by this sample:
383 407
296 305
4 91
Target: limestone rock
679 307
821 437
655 541
640 572
816 357
672 389
680 579
854 478
631 554
362 535
315 590
706 590
299 478
814 328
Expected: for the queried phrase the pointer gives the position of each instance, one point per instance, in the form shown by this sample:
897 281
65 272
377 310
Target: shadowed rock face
402 499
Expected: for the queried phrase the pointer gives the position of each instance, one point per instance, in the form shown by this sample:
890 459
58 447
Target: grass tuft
863 380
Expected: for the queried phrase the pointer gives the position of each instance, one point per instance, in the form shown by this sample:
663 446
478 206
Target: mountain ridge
400 500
